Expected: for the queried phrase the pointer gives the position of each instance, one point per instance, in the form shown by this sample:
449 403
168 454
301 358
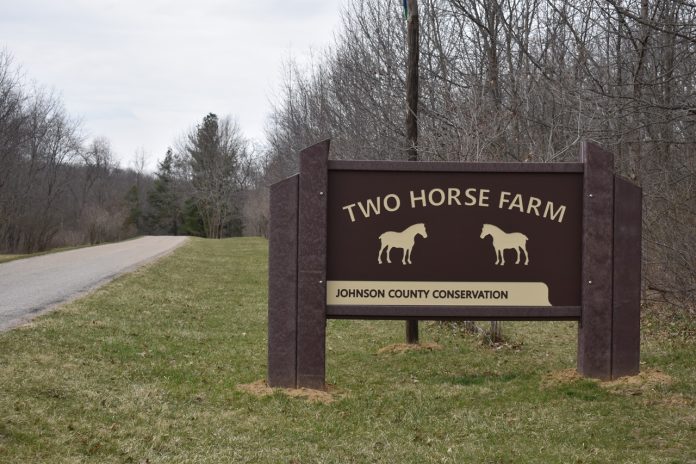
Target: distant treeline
203 185
518 80
58 189
55 188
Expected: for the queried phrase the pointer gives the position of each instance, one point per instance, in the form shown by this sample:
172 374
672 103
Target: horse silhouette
404 240
503 241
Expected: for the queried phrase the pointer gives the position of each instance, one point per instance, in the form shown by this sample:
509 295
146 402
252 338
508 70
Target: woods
500 80
518 80
56 188
59 188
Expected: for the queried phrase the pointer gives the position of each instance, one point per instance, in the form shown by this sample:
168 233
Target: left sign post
297 273
282 285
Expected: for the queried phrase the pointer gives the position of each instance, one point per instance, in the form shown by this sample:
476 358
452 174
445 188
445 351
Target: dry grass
163 366
260 388
647 379
397 348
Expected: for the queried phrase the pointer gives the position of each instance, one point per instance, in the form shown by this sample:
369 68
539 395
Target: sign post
453 241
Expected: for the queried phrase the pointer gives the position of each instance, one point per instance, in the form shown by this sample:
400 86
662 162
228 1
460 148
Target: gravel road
31 286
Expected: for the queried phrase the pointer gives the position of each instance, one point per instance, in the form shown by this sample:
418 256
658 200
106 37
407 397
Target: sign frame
608 316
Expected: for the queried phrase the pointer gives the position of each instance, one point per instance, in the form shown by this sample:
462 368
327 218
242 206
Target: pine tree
164 215
135 212
192 219
214 149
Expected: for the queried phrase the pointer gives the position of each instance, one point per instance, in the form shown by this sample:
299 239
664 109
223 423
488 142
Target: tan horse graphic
404 240
503 241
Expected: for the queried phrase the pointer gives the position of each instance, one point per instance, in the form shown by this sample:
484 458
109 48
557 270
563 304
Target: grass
146 370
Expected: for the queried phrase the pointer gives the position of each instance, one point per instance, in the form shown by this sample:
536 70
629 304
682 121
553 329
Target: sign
454 238
453 241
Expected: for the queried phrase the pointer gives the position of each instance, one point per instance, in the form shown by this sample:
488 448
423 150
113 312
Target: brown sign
454 238
453 241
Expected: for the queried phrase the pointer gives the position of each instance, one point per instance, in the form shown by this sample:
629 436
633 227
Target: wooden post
595 328
412 115
311 287
625 358
282 285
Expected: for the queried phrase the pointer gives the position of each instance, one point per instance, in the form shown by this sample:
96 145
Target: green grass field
147 369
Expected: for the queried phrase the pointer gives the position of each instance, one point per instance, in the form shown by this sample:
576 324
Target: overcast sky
141 72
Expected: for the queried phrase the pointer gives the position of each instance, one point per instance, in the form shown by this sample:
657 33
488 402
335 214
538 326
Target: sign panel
402 238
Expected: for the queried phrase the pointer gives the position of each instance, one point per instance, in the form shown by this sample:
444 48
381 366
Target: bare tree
216 152
518 80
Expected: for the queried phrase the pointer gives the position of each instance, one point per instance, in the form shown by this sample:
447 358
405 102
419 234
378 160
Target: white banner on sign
406 293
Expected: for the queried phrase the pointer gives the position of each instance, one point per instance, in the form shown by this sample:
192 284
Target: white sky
141 72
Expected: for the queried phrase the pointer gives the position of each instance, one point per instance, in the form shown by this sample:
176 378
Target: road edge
28 318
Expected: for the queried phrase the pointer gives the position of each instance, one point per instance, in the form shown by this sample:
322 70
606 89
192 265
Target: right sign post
454 241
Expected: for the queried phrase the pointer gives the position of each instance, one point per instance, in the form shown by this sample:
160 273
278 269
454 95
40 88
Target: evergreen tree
164 215
214 150
192 219
135 212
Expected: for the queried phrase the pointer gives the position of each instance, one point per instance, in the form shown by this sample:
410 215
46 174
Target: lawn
148 368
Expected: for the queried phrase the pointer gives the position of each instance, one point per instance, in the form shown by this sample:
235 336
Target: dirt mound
260 388
647 380
404 347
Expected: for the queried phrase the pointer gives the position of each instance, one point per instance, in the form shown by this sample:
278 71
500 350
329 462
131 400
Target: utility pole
411 12
412 79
